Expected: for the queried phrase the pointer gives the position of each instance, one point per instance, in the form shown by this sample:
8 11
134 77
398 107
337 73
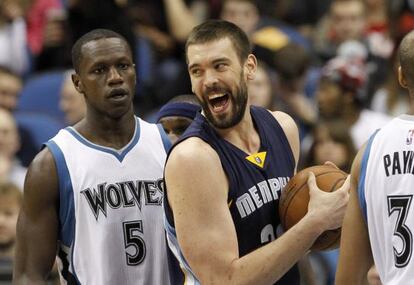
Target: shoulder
42 179
192 151
356 165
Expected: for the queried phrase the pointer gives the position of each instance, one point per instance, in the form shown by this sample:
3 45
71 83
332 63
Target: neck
243 135
107 131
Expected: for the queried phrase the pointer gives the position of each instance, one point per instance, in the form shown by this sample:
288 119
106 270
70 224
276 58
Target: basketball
293 204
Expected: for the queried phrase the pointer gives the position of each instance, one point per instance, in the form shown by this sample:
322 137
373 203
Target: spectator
10 87
261 88
339 97
10 168
71 101
10 203
13 47
177 115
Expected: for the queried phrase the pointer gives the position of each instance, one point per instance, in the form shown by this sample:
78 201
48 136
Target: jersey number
132 239
401 205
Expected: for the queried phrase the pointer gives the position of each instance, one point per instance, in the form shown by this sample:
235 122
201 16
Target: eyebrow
217 60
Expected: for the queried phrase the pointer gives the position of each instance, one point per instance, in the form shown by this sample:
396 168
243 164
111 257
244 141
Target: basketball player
177 114
95 191
379 223
226 173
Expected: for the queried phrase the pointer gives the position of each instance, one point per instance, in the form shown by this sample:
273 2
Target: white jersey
386 189
110 211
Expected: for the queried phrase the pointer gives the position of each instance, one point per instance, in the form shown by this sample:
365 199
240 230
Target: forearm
269 263
180 19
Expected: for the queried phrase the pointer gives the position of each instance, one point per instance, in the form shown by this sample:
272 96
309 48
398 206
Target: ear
401 78
77 83
250 67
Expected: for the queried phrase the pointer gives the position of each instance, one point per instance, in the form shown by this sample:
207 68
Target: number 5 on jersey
132 229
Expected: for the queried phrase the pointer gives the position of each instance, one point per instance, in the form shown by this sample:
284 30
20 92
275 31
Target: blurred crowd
331 64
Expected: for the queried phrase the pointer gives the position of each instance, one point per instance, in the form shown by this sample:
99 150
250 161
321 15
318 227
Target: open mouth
118 93
219 102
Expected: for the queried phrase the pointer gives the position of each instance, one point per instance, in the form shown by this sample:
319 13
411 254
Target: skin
198 187
72 103
10 87
9 136
260 89
174 126
330 99
349 19
327 149
9 210
355 257
242 13
106 65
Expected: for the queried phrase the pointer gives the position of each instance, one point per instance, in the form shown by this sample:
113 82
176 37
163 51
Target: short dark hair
213 30
93 35
6 70
406 56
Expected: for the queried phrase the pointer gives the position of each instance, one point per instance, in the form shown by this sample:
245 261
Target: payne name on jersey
123 194
399 163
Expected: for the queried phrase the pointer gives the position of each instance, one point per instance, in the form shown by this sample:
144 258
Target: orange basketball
293 204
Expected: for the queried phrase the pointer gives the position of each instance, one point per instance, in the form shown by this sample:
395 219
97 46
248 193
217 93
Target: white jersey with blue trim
110 209
386 188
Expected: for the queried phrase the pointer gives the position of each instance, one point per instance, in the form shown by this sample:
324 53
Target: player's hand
330 163
328 207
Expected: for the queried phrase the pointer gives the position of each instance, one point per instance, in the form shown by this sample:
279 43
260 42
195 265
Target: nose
210 79
114 76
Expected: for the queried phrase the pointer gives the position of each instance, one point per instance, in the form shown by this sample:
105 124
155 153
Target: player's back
111 221
386 189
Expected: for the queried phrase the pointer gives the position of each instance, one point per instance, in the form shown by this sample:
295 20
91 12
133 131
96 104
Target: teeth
216 96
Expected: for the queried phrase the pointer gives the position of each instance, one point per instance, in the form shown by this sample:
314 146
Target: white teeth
211 97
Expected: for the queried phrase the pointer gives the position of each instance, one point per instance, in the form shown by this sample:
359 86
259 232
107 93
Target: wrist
316 224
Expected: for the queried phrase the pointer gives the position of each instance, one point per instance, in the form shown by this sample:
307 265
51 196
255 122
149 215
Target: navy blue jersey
255 182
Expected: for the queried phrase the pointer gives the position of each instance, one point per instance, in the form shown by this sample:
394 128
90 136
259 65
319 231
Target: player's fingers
312 181
347 184
330 163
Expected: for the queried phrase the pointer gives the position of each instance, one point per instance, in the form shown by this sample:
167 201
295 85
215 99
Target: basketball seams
287 200
292 193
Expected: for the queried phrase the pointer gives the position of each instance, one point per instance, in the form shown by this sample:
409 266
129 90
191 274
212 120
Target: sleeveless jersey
110 212
386 188
255 182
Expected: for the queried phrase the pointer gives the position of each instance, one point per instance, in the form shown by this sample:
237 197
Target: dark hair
8 71
93 35
406 56
213 30
339 132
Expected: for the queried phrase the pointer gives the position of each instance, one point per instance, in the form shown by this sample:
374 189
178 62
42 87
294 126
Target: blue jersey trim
172 237
362 176
165 139
66 202
120 155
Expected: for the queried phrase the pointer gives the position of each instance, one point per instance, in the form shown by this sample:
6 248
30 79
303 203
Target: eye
221 66
195 72
123 66
99 70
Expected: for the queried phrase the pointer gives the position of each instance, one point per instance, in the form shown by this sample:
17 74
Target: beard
238 106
